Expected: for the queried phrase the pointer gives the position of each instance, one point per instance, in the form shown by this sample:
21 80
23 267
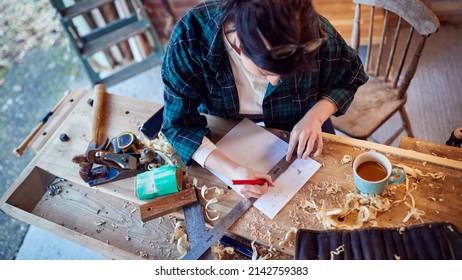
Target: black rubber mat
432 241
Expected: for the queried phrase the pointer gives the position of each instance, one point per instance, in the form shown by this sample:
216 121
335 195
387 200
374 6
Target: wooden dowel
382 42
369 44
355 35
18 151
393 50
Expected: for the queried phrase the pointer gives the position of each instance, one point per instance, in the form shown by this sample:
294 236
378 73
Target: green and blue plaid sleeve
341 70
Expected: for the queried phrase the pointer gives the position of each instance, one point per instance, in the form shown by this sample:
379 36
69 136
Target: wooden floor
435 95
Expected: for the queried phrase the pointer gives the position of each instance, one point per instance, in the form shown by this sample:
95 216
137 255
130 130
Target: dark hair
280 22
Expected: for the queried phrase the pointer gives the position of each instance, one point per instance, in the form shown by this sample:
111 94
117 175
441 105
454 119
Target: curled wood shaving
217 191
413 212
183 245
397 257
413 172
220 251
289 238
194 182
208 211
337 251
265 257
254 251
160 144
306 203
365 207
180 229
416 173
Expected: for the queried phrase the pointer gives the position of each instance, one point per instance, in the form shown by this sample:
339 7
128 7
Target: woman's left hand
305 137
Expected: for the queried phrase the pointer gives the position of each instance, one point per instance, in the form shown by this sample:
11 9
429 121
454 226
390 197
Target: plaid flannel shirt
198 78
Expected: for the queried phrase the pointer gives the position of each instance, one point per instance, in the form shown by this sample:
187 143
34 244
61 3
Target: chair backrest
119 29
391 55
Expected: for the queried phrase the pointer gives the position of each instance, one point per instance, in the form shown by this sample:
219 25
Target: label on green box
158 182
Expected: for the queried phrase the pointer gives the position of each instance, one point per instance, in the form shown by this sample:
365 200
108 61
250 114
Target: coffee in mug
372 172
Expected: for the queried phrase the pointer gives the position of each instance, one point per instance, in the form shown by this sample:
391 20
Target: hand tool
125 142
164 205
220 228
86 165
98 102
238 246
103 174
20 149
195 227
111 159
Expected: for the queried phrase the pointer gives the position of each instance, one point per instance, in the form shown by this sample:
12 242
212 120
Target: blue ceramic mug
392 176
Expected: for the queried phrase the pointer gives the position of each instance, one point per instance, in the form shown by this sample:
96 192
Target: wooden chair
391 58
117 32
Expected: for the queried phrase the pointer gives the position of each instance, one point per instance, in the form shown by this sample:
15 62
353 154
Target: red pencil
249 182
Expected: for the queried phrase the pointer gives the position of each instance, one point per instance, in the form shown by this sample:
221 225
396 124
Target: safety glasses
284 51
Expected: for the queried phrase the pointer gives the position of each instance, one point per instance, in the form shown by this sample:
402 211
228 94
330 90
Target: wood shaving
365 207
346 159
289 238
337 251
160 144
254 251
195 182
209 211
217 191
416 173
265 257
306 203
397 257
99 223
221 251
413 212
183 245
180 229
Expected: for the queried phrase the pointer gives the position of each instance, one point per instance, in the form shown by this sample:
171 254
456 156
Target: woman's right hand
244 173
234 171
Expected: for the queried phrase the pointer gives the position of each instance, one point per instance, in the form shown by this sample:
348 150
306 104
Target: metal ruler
195 226
221 227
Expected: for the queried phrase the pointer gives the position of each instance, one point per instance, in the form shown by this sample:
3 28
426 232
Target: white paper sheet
255 147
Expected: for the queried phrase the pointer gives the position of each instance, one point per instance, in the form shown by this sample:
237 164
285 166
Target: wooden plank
167 204
409 154
430 148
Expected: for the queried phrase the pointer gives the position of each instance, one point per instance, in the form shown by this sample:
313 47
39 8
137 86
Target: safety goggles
284 51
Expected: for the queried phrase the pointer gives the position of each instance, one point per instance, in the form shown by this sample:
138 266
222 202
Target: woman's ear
237 44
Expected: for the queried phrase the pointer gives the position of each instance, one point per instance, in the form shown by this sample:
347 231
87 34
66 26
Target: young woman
275 61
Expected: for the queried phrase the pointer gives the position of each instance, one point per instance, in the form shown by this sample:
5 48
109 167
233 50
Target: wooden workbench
106 218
